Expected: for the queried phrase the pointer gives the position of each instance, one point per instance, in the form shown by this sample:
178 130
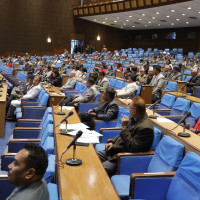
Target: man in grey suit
176 75
70 82
136 136
26 173
103 81
88 95
158 83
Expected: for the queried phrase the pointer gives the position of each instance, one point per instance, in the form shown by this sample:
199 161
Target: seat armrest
157 110
144 185
109 129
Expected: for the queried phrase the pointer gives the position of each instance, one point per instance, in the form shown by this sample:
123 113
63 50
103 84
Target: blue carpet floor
8 132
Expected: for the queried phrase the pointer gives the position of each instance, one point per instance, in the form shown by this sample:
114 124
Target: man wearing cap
130 89
142 76
176 75
194 81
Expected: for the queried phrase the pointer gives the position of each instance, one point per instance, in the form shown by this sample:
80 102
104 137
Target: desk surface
191 143
87 181
191 98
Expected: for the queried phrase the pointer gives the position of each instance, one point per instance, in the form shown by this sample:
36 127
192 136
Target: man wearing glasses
136 136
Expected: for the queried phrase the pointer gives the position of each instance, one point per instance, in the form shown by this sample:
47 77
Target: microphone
184 118
154 104
79 133
69 114
61 113
181 89
183 134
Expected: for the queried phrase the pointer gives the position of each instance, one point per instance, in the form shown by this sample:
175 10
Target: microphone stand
60 113
65 132
184 134
51 90
182 91
74 161
153 116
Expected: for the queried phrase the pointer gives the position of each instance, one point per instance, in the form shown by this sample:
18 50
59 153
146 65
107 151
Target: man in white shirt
32 93
130 89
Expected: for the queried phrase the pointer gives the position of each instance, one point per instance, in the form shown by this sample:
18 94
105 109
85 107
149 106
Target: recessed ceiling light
145 25
199 12
172 10
149 22
124 24
189 8
117 17
95 20
143 14
130 16
187 22
177 19
106 18
121 26
172 24
153 18
115 21
133 26
183 14
104 22
127 20
157 13
167 16
158 24
140 19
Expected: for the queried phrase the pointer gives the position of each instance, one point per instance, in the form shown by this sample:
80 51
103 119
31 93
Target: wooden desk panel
191 143
54 98
3 108
191 98
84 182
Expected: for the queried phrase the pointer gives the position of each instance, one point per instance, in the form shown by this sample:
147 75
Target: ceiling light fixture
106 18
140 19
149 22
153 18
145 25
124 24
103 22
98 38
143 14
189 8
157 13
130 16
133 26
167 16
172 10
158 24
183 14
172 24
187 22
115 21
127 20
177 19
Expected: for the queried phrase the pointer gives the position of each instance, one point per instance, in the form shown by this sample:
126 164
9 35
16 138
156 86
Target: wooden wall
25 26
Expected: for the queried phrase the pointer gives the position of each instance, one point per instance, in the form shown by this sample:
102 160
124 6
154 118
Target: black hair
133 77
84 69
102 74
37 158
134 69
56 72
30 76
91 81
157 67
128 69
111 92
96 69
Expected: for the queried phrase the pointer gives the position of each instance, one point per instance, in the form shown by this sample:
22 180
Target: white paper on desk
58 94
164 120
67 107
88 139
77 126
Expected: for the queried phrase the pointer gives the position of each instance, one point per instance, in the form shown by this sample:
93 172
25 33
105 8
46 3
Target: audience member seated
18 92
119 67
149 76
109 71
70 84
134 70
83 76
95 75
103 81
194 81
103 67
146 66
32 93
176 75
56 78
158 83
142 76
196 128
62 69
127 73
167 72
26 173
130 89
77 71
88 95
136 136
107 111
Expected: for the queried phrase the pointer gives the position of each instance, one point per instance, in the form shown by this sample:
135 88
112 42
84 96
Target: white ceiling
148 19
